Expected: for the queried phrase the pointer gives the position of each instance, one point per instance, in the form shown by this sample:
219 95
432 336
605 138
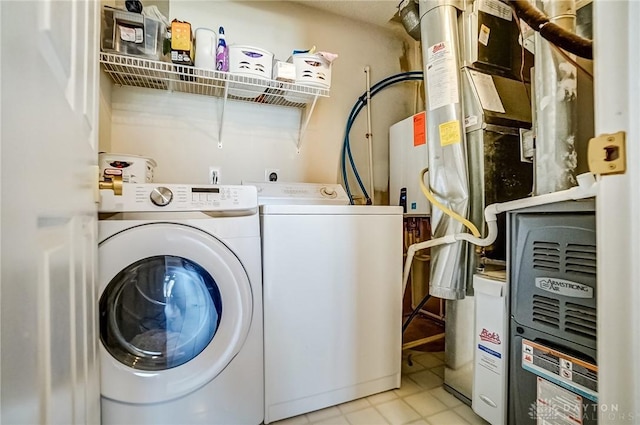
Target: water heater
407 158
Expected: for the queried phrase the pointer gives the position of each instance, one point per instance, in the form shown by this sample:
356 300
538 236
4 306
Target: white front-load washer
180 305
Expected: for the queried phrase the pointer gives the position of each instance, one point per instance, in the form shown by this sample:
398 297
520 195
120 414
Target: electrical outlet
214 175
271 174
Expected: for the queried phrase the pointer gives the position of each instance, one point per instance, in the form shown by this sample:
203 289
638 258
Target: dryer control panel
277 193
176 197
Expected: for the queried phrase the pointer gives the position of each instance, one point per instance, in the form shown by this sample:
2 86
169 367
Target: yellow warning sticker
449 133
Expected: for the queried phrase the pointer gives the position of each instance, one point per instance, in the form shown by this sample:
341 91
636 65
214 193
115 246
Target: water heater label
564 287
419 132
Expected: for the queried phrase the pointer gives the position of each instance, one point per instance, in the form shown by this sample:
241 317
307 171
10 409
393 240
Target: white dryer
180 305
332 279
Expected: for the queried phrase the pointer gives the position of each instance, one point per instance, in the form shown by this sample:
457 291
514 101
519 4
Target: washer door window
159 312
176 307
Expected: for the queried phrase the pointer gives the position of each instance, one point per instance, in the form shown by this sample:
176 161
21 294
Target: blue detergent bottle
222 52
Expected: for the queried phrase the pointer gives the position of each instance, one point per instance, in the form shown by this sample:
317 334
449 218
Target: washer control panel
276 193
176 197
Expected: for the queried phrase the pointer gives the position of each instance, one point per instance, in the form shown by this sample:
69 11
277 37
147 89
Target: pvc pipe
417 247
367 71
587 188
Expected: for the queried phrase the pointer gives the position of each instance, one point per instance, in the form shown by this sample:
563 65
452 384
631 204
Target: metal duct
408 12
448 176
556 106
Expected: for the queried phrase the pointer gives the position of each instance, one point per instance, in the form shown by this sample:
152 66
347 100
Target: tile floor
420 400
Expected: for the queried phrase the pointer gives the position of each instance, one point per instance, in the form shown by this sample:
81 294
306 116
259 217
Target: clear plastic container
131 34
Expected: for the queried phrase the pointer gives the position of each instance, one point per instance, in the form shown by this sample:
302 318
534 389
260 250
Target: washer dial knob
328 192
161 196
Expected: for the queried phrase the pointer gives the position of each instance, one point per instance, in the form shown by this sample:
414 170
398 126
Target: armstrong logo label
564 287
492 337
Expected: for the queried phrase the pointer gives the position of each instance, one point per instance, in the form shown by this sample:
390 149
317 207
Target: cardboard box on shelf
284 71
181 43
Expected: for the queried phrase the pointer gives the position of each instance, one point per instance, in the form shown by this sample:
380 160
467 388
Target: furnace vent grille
575 258
546 256
546 311
581 320
581 259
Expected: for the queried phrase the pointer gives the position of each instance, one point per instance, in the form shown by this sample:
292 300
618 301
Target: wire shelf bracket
305 116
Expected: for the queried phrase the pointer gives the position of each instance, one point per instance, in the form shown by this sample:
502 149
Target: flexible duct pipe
556 85
448 178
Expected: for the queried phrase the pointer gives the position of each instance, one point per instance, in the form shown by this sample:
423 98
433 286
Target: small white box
489 399
284 71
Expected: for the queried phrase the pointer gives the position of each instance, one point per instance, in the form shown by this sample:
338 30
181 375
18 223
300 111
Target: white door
48 362
617 93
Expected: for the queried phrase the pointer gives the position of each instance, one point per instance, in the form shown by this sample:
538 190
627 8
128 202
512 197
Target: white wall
180 131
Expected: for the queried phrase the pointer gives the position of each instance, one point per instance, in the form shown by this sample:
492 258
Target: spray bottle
222 52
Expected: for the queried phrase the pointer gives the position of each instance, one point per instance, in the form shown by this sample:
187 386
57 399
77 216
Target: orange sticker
419 132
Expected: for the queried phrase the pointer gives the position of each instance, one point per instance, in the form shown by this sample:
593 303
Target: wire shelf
140 72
